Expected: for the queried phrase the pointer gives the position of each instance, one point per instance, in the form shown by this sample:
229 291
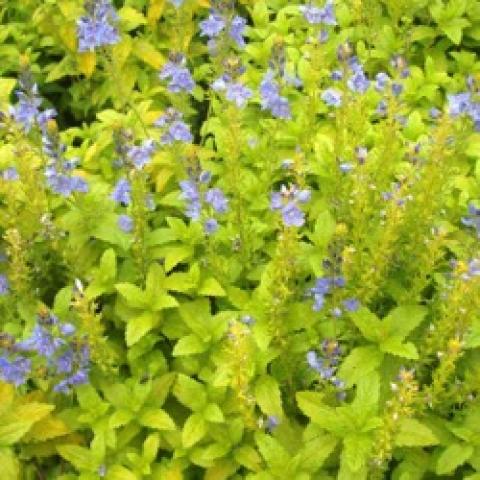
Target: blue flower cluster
358 82
58 172
464 104
121 192
197 199
4 285
179 76
473 218
54 345
133 157
316 15
332 97
140 155
175 129
98 27
14 369
235 91
271 98
326 365
472 270
287 200
27 111
220 22
323 287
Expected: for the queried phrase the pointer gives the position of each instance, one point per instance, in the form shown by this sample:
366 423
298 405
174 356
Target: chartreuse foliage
239 240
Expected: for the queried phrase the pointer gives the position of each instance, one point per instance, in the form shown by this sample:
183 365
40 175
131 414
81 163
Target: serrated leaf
189 345
211 288
46 429
190 393
80 457
150 447
315 451
213 413
394 346
248 457
412 433
119 472
197 316
10 466
268 397
156 418
131 18
452 457
12 432
134 296
401 321
138 327
146 52
368 323
193 430
356 449
310 403
271 450
360 362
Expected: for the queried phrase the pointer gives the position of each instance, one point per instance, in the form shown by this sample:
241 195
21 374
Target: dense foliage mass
239 239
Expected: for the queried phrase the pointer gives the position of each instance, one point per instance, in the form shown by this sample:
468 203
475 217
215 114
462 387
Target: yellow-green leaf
146 52
86 63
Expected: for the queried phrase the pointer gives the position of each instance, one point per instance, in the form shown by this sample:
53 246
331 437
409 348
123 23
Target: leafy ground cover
239 240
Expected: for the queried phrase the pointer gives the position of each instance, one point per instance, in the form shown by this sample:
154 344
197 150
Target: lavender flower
27 108
27 112
121 192
324 286
41 341
216 23
272 423
336 75
140 155
327 364
217 200
381 81
473 218
176 130
191 193
382 108
210 226
4 285
397 88
237 28
97 28
315 15
459 103
286 200
271 98
58 170
332 97
15 371
235 91
178 75
212 26
358 82
125 223
10 174
351 304
196 199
